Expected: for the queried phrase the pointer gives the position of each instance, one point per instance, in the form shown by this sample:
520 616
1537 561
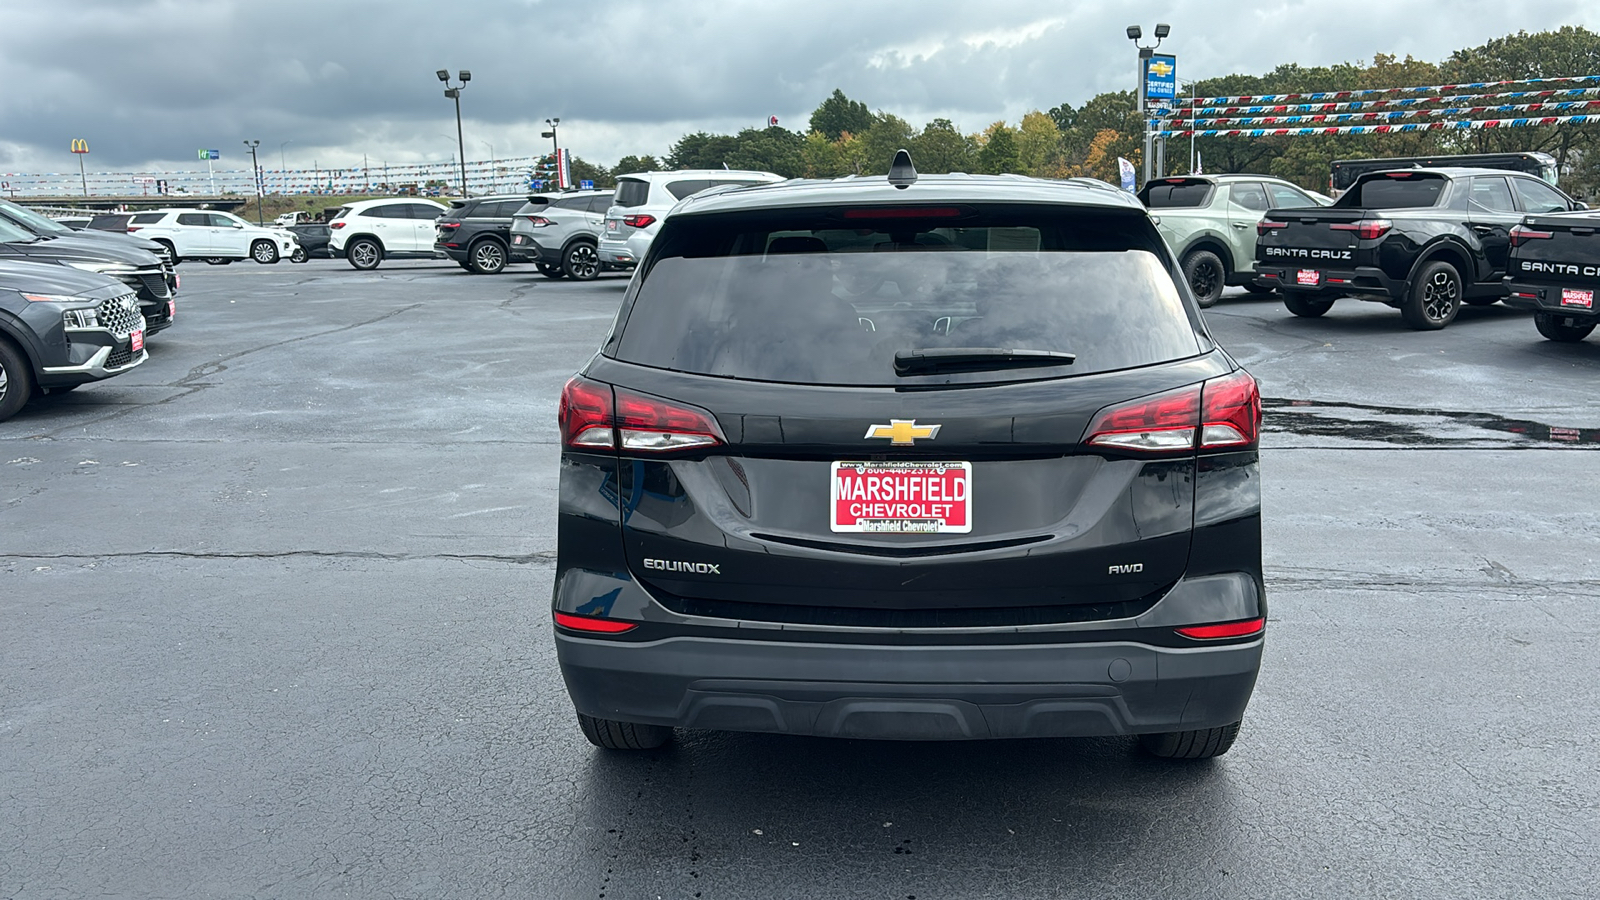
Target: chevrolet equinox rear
934 458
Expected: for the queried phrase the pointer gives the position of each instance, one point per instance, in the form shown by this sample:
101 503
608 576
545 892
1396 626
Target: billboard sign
1160 80
210 154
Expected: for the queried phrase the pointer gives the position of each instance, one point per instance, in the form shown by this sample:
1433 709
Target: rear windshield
1408 191
339 213
809 297
1171 196
632 192
147 218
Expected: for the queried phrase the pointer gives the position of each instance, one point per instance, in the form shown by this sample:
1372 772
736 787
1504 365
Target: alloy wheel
1440 296
1203 280
489 257
364 255
585 262
264 253
5 382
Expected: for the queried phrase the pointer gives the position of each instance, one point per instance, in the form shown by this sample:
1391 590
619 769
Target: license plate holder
1308 277
901 497
136 341
1579 298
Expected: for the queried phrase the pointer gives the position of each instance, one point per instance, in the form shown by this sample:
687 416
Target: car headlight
81 318
105 268
55 298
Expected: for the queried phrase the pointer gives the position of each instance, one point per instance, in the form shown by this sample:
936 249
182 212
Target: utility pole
454 93
255 168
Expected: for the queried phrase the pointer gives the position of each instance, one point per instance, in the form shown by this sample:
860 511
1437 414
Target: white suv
370 231
643 200
212 235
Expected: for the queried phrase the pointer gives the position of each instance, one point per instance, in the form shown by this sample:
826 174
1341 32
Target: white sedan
214 236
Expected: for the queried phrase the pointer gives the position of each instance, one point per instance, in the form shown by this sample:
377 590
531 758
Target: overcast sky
147 82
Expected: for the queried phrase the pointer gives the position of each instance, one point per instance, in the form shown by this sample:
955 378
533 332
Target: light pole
1134 34
283 167
454 93
494 173
255 169
551 134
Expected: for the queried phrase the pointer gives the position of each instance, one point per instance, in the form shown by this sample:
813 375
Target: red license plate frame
1308 278
900 497
136 341
1577 297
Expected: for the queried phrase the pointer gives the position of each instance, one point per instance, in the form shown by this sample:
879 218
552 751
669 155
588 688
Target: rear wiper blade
975 359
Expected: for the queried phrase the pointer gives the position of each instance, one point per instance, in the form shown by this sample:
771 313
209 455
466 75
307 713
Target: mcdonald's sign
79 145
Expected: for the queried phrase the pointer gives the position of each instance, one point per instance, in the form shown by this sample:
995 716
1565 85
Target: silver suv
559 233
643 200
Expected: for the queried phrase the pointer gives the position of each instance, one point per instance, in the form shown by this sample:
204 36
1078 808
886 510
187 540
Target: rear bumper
525 248
1546 298
1360 281
910 692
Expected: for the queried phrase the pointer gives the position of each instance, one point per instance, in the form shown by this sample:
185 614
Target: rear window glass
808 297
147 218
1175 196
1395 192
339 213
632 192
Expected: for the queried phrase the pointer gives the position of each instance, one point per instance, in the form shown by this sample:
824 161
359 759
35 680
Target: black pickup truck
1421 240
1555 271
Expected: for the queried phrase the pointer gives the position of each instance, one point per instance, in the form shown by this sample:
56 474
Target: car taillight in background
639 221
1366 229
1521 234
1223 413
538 221
132 228
336 225
450 225
1222 630
593 416
1264 226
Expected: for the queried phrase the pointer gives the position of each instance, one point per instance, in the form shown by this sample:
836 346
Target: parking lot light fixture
255 169
453 92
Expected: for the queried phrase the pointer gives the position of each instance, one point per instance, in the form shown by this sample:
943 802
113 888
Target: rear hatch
621 219
1347 234
872 429
1559 250
450 221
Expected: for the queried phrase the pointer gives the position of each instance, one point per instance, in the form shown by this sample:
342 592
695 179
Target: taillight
132 228
538 221
1230 412
1521 234
585 415
1218 414
1264 226
1224 630
450 225
337 225
588 623
593 415
1366 229
639 221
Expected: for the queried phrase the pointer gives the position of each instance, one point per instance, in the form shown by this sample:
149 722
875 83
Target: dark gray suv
921 458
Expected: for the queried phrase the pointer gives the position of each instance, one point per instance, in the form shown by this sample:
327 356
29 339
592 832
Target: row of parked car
1423 240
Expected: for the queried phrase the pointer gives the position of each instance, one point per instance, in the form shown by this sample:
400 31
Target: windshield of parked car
1395 190
31 220
812 297
10 233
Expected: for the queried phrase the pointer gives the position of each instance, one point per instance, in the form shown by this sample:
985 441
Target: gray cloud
148 81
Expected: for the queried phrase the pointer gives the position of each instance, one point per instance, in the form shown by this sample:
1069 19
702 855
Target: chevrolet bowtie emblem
903 432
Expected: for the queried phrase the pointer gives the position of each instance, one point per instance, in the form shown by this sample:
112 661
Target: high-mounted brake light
594 416
1521 234
589 623
1366 229
1265 225
1223 413
1224 630
914 212
639 221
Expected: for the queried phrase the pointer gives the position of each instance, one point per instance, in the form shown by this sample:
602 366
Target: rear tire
581 262
1434 298
300 255
1551 327
1206 276
487 257
264 252
364 254
1306 306
611 735
217 260
1206 743
16 380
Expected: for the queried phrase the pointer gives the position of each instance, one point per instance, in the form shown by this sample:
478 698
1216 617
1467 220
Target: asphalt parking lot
276 625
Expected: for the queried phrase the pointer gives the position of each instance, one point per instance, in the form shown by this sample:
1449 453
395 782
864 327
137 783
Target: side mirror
238 224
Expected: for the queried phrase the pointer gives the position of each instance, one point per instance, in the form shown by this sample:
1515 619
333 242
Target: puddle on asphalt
1417 427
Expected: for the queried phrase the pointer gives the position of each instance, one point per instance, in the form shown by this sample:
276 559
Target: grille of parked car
120 315
120 357
154 282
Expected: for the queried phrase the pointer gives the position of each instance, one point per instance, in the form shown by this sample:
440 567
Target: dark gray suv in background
919 458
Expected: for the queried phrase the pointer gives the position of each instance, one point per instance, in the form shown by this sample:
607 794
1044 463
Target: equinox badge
903 432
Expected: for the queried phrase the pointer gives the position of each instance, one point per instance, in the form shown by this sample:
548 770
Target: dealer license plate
1574 297
1308 277
136 339
902 497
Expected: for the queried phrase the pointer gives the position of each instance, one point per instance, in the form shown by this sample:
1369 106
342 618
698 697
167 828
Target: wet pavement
275 613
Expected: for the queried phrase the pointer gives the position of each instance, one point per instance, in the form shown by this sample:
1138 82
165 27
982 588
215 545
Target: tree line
846 137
